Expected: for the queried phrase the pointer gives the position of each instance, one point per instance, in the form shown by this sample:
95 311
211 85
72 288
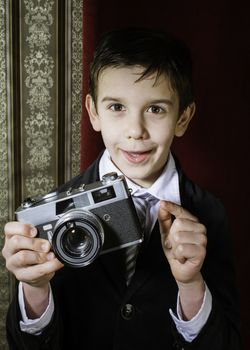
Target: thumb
165 219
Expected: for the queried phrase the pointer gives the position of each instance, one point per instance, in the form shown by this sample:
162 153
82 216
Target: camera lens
78 238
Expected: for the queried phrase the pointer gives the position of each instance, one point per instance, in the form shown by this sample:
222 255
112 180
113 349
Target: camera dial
109 177
81 187
27 202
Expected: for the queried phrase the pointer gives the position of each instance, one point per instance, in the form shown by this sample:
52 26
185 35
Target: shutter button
128 312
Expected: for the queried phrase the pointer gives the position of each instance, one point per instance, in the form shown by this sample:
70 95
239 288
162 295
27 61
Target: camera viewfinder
103 194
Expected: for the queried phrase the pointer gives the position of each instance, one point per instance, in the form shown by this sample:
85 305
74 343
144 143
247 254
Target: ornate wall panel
76 44
39 90
40 106
6 189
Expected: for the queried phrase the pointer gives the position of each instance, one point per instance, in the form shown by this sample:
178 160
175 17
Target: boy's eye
155 109
117 107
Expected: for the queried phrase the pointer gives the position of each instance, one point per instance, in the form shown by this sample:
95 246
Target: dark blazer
94 310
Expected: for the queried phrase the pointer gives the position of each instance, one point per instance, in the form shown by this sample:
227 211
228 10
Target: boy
182 293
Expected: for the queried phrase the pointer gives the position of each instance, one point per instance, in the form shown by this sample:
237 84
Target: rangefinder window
103 194
65 205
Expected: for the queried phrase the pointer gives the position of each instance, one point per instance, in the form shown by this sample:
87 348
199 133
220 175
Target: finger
165 222
17 243
37 272
19 228
26 258
178 211
165 218
188 226
191 252
185 231
184 237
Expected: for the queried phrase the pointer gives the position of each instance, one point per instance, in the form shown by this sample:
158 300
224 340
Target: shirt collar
166 187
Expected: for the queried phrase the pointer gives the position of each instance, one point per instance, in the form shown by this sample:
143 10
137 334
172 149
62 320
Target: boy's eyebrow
115 99
109 98
165 101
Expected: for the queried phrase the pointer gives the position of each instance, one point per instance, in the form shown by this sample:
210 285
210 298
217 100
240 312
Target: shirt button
128 311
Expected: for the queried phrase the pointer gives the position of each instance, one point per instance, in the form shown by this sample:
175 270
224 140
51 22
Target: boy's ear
93 115
184 119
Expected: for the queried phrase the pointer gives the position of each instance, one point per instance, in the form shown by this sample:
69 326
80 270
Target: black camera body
82 223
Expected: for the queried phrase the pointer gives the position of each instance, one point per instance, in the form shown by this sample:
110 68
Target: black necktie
142 204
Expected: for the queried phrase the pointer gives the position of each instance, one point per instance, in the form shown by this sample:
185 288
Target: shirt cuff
35 326
190 329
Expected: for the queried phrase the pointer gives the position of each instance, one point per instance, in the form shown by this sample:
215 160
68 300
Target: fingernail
168 244
33 231
50 256
45 246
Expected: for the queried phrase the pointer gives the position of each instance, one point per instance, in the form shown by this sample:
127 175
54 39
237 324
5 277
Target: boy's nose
135 128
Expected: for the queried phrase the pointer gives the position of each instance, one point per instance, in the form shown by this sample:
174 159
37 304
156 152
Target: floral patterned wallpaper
40 106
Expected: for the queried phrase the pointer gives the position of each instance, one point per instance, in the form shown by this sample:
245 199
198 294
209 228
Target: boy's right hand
27 257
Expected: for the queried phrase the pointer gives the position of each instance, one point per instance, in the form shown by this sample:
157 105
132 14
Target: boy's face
138 121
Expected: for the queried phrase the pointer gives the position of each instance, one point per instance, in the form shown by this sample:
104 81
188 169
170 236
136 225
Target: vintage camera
82 223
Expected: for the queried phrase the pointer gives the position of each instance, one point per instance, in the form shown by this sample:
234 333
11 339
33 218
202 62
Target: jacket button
128 311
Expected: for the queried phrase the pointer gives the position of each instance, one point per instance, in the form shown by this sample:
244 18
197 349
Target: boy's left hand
183 240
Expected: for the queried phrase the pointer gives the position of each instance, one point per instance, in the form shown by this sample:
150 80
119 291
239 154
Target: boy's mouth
136 157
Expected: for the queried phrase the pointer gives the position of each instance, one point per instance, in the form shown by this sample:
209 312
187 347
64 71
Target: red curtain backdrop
91 141
215 151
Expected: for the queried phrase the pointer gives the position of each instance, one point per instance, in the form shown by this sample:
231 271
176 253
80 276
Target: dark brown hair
152 49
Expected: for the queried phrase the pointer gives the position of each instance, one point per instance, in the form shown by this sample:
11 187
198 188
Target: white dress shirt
166 187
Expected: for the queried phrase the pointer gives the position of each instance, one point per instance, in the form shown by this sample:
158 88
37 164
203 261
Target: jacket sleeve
222 329
18 340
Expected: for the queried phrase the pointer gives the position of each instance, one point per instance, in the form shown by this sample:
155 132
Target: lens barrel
78 238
